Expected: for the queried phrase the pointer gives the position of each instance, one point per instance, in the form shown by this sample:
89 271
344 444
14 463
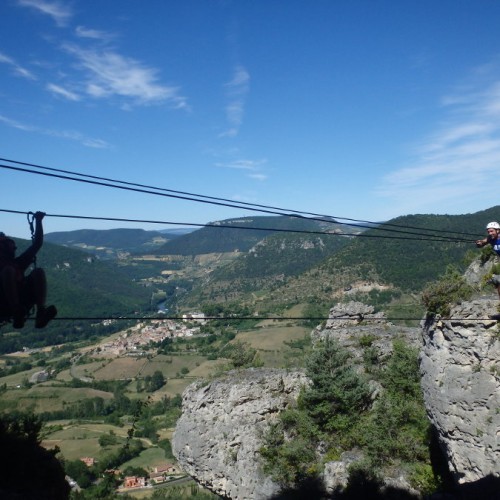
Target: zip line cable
254 318
240 204
140 190
232 226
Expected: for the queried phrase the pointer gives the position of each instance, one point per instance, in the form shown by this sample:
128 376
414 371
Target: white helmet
493 225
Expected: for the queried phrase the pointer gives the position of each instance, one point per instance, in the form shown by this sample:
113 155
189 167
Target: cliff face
218 436
460 366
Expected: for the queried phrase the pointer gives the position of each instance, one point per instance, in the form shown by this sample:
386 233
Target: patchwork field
41 398
121 368
80 438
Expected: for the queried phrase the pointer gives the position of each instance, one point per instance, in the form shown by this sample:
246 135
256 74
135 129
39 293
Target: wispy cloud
58 11
93 34
460 160
18 69
62 92
237 89
111 74
253 168
72 135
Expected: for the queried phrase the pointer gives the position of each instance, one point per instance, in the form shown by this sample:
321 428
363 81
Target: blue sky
361 109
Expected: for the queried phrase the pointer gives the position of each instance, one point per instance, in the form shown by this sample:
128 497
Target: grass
40 398
87 369
18 378
77 440
170 366
148 459
121 368
272 338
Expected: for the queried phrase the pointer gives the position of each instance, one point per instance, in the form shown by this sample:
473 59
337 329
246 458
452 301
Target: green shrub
450 288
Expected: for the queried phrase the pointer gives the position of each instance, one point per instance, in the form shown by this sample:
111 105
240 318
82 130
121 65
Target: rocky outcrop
460 366
354 323
218 436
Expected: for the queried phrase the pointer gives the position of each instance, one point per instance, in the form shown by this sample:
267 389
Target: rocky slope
460 366
218 437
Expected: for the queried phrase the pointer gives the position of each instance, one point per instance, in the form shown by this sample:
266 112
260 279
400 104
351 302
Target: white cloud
15 124
83 32
242 164
18 70
259 177
252 167
58 11
64 134
111 74
237 90
60 91
460 161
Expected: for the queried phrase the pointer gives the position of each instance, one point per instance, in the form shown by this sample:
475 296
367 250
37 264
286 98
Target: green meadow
79 437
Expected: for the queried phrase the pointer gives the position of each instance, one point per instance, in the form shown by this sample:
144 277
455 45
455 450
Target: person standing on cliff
493 239
19 293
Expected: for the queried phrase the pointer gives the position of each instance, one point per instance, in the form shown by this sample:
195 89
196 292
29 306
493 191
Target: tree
338 394
157 381
20 451
107 439
241 354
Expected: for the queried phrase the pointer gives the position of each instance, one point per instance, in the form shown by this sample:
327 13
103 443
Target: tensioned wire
360 318
424 237
113 183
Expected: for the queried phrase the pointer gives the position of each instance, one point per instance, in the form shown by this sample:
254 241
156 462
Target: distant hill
109 242
240 234
391 256
256 260
404 265
409 261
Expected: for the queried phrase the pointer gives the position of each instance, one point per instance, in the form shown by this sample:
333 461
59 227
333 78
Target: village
157 475
133 342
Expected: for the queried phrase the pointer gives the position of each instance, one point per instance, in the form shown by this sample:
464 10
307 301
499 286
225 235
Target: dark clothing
495 243
20 264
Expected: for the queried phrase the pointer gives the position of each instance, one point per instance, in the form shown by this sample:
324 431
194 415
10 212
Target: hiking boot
18 317
495 316
44 315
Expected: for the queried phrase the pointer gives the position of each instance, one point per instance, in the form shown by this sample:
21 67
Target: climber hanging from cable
20 293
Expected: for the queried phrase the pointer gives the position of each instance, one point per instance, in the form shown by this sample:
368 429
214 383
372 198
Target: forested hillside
411 263
98 241
239 234
403 254
274 269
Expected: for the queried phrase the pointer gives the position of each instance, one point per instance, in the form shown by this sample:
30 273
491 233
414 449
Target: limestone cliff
218 436
460 366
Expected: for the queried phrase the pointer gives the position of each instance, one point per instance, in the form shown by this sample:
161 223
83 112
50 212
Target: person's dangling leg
10 290
36 284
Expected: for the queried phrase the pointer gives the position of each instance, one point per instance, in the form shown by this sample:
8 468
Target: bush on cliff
335 414
450 288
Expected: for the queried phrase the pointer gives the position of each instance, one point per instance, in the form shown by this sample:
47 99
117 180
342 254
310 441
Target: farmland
93 398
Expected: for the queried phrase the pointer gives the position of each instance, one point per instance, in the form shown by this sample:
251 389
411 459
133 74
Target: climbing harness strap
31 222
